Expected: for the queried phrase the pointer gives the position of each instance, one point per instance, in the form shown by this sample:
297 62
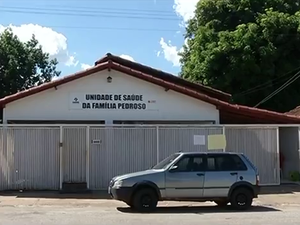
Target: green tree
248 48
23 65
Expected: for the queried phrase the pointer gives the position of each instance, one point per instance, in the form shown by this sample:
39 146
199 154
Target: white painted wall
55 104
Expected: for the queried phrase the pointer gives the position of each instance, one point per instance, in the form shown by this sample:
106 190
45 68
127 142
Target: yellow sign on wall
216 141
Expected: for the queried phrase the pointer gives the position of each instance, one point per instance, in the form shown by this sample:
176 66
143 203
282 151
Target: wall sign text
111 101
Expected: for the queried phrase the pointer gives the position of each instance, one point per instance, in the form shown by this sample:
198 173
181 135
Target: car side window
225 163
191 164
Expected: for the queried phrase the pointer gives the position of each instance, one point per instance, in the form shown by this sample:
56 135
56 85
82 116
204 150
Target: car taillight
257 180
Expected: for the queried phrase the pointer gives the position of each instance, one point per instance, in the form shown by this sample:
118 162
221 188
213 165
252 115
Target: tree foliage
248 48
23 65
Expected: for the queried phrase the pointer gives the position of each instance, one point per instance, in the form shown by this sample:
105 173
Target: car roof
196 153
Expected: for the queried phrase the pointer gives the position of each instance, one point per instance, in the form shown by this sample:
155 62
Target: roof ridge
110 56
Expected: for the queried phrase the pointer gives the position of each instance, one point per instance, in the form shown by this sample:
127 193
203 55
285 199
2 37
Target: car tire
222 203
145 200
241 199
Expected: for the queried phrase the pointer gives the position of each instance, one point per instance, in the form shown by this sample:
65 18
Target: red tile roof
190 89
166 76
239 114
294 112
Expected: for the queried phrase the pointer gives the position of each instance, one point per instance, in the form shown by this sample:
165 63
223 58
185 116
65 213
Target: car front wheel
145 200
241 199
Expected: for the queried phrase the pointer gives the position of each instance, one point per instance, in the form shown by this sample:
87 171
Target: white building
60 132
116 91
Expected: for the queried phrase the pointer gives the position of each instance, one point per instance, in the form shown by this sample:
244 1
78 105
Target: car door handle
200 174
234 173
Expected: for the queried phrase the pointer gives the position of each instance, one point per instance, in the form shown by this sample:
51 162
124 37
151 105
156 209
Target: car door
222 172
186 179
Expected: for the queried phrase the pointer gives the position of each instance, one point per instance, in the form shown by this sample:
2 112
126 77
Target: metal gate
260 145
115 151
30 158
175 139
74 154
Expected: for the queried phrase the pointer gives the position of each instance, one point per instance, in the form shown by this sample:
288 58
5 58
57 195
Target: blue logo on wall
75 101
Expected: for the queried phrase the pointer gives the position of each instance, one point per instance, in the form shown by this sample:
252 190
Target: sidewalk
263 200
280 189
272 196
265 190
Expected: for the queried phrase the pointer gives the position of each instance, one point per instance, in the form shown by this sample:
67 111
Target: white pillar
61 172
88 156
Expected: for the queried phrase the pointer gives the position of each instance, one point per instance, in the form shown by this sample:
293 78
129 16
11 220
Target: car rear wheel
241 199
221 203
145 200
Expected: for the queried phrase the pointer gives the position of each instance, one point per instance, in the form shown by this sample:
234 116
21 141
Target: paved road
55 215
273 210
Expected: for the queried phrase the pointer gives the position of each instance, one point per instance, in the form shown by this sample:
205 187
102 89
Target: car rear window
225 162
250 162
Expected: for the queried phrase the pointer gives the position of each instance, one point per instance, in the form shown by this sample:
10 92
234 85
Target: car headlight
118 183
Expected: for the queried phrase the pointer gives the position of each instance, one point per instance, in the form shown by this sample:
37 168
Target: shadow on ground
57 194
200 210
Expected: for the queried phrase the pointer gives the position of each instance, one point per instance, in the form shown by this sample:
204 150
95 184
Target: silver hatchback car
220 177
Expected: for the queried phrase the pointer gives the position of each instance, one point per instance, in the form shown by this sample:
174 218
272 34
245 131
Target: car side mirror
173 168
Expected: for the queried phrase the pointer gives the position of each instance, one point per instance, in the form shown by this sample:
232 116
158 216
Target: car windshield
167 161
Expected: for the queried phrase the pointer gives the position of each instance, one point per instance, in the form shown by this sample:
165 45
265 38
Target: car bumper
256 191
121 194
